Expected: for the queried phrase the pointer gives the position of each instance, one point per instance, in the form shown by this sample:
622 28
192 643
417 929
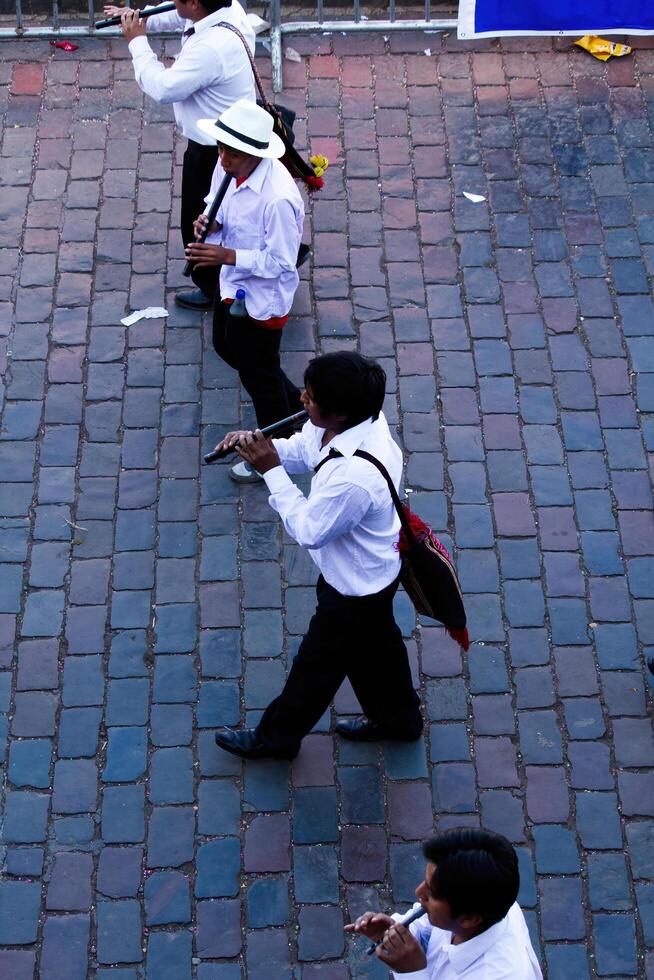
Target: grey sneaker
243 473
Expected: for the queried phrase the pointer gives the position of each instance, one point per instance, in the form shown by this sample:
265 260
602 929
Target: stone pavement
144 599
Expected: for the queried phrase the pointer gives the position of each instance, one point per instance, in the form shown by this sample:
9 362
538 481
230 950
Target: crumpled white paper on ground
151 313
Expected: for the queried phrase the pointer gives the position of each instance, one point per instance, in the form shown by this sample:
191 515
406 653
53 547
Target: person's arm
291 453
192 71
336 509
403 949
205 254
315 521
282 240
168 21
285 452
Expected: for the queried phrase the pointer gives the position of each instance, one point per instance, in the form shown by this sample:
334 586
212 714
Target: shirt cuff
416 975
139 45
277 479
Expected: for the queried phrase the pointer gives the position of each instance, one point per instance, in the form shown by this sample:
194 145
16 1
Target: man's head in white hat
244 134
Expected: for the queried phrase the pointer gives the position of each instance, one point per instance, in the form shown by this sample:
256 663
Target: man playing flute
255 241
350 527
472 927
211 72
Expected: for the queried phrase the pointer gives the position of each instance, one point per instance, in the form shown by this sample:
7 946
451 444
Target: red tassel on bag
420 532
461 637
314 183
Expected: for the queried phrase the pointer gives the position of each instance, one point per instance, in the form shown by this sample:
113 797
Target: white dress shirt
348 523
503 952
262 221
210 73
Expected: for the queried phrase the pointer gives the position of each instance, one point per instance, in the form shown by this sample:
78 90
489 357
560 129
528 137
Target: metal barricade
356 23
24 29
55 30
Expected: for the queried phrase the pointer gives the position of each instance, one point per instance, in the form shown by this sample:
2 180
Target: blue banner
490 18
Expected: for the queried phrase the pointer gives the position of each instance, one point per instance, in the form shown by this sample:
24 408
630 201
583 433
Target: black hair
346 383
476 873
211 6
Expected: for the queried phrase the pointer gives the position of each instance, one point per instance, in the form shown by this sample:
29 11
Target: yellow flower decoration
319 164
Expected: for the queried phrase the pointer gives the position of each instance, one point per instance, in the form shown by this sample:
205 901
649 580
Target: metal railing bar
75 31
276 45
334 26
55 30
297 27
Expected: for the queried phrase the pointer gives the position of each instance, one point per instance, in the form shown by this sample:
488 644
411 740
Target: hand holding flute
255 449
109 10
201 227
198 253
114 15
243 442
393 943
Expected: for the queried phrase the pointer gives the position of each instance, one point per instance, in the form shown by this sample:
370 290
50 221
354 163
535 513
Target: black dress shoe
363 730
243 743
194 299
303 254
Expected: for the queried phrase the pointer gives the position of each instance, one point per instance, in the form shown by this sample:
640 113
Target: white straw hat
247 127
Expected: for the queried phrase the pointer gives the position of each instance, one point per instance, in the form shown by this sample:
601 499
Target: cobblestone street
146 599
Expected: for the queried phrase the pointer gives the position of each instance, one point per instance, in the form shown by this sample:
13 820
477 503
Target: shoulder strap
334 453
255 71
391 486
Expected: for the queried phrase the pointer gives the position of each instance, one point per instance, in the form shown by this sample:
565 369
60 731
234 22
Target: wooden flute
269 430
211 216
163 8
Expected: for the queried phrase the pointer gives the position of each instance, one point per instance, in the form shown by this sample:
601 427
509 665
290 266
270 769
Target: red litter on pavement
64 45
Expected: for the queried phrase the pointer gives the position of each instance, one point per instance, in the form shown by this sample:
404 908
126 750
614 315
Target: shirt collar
256 179
349 441
464 955
210 20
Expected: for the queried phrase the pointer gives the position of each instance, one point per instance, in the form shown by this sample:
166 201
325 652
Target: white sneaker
244 473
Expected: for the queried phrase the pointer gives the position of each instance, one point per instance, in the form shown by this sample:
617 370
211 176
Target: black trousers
348 636
254 352
197 168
